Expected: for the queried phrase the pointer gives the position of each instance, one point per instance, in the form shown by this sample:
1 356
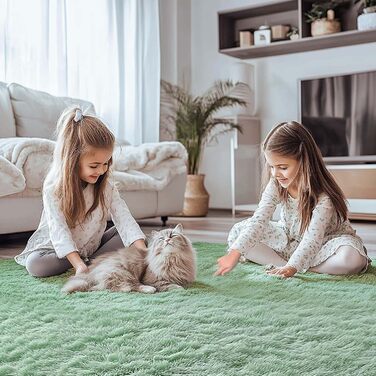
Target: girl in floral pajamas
313 232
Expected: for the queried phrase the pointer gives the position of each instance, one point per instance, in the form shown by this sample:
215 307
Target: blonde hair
291 139
75 135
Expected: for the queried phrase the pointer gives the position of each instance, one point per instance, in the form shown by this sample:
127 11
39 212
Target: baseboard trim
362 217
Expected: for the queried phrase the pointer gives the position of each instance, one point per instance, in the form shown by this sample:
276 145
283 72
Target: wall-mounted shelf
290 13
344 38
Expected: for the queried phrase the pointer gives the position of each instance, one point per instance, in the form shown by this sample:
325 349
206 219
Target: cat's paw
125 288
147 289
174 287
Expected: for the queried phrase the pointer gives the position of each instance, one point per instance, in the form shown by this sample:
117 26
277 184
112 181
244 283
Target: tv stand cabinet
358 183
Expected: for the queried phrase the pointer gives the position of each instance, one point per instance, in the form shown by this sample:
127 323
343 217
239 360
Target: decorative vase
367 20
196 197
325 26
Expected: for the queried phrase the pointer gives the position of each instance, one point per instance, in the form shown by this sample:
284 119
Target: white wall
168 39
175 33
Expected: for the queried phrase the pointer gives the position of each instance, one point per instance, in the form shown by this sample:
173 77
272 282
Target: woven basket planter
196 197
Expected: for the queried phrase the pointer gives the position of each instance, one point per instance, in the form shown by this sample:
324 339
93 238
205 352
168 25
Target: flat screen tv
340 112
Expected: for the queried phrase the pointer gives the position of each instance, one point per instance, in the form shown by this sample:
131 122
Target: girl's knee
351 259
33 265
39 265
348 254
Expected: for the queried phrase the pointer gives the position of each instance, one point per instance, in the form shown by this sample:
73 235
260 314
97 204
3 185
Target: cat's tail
78 282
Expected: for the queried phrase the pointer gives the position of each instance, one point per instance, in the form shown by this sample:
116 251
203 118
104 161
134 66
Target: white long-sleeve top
319 241
53 232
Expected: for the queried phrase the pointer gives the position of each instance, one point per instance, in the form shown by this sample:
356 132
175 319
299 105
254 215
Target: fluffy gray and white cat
168 263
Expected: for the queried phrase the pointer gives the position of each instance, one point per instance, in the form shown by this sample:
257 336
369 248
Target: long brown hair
73 140
293 140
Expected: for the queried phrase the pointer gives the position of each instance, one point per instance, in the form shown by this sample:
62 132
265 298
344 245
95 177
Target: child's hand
140 243
228 262
75 259
82 268
282 271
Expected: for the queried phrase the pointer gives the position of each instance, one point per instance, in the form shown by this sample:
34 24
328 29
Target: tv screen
340 112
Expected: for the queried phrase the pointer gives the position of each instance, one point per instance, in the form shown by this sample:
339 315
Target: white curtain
105 51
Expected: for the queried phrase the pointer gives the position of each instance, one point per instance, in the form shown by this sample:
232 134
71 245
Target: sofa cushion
37 112
7 123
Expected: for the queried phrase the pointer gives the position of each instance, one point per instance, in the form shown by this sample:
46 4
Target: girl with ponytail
78 197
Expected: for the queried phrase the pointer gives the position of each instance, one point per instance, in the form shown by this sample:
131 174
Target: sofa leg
164 220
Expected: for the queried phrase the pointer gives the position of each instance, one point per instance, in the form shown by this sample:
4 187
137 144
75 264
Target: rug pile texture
245 323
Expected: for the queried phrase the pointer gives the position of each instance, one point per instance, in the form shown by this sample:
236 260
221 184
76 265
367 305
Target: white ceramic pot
367 20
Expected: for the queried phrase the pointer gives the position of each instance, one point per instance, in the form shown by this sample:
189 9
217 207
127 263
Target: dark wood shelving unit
289 12
344 38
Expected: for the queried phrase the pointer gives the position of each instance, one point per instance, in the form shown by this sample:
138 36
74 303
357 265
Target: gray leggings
45 263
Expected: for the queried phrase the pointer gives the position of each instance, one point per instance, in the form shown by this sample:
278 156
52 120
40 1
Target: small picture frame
262 37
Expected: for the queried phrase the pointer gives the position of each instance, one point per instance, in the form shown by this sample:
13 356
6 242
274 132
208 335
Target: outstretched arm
254 226
252 231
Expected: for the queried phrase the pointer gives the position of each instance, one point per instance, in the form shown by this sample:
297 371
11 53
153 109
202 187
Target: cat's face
169 241
171 256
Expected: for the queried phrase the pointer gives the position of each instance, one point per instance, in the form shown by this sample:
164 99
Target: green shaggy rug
246 323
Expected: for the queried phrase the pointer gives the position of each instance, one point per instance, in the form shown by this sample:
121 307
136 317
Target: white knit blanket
11 178
24 163
150 166
32 157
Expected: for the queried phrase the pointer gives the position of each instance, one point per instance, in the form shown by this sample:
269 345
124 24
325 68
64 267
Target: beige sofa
28 118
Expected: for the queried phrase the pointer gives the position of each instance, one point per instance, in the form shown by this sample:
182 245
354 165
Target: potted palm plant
367 20
194 121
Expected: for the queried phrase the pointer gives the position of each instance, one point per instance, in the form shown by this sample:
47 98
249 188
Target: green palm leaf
194 117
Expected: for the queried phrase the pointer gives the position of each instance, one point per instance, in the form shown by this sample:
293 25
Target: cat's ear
178 228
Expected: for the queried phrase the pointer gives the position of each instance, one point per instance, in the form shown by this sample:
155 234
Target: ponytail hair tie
78 115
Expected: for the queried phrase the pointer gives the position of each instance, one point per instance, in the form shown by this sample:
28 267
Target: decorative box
245 38
279 32
262 36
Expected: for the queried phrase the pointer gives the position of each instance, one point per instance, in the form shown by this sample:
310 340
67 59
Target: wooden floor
212 229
